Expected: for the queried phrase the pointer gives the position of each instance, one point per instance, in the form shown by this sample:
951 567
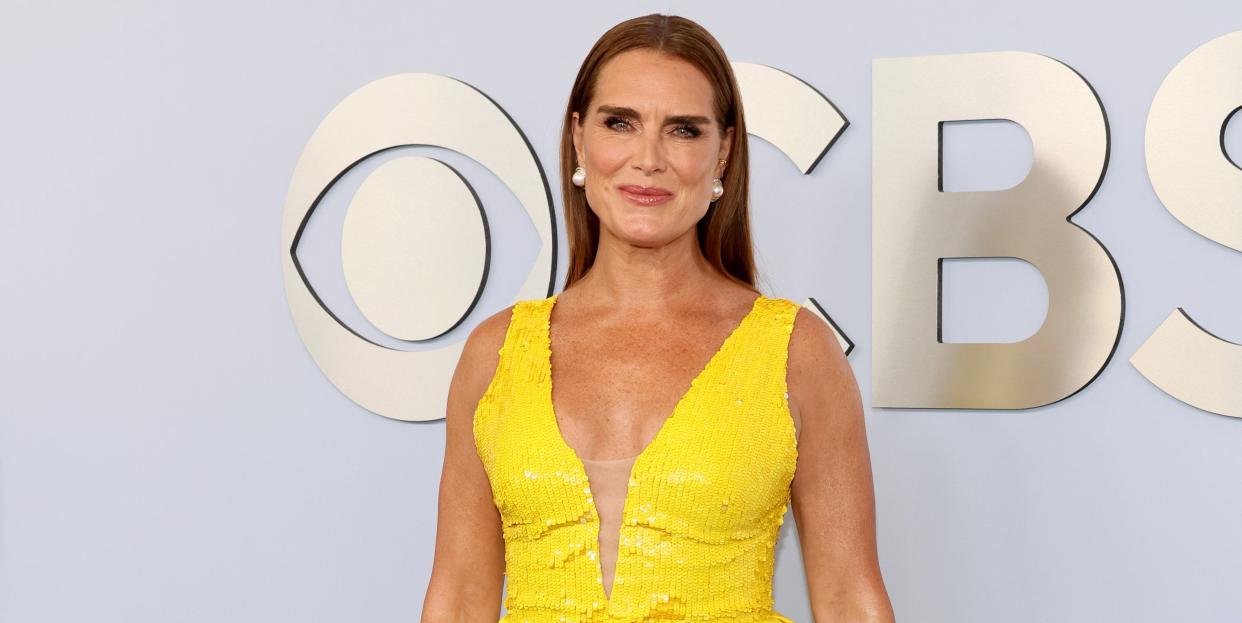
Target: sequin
679 556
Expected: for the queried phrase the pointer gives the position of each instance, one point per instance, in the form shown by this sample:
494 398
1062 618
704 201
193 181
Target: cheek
605 157
695 177
694 162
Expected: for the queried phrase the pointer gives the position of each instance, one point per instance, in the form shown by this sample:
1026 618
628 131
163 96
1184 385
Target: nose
649 155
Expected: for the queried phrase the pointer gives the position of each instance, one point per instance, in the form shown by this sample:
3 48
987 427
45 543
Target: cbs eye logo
416 230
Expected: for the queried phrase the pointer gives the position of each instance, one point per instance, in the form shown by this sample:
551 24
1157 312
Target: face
651 147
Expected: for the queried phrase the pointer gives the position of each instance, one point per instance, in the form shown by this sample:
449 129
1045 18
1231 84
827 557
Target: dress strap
519 366
525 325
782 313
778 315
765 354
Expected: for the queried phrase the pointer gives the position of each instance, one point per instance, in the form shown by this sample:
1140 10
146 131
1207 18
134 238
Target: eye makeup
690 130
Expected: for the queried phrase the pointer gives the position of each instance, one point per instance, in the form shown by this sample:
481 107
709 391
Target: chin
640 223
653 236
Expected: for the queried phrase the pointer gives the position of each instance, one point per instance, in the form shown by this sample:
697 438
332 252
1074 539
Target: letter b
915 225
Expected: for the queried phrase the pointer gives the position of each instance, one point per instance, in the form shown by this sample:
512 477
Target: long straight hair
724 231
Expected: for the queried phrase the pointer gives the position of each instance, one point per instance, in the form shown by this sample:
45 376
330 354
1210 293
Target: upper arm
833 496
468 572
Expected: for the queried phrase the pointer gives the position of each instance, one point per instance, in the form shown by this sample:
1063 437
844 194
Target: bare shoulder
481 354
489 334
812 342
818 369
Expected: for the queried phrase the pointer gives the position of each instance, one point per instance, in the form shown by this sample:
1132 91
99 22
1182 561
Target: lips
644 195
653 191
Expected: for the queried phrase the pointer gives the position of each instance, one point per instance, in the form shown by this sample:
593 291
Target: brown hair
724 232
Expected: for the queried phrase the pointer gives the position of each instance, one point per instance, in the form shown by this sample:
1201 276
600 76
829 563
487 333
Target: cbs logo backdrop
243 243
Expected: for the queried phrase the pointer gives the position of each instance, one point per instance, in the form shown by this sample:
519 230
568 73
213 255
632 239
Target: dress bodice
701 508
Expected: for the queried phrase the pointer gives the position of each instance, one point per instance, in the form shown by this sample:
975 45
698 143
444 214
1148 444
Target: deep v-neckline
580 465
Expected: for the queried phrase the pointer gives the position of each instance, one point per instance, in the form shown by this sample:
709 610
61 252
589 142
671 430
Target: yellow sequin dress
706 497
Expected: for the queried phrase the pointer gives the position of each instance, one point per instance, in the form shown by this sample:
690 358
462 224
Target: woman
688 408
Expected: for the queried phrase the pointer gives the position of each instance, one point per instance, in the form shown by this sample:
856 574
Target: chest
727 439
613 390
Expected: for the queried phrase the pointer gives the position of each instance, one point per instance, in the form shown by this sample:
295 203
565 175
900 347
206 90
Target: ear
725 147
577 134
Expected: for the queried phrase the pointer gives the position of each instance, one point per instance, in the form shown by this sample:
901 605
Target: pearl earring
579 178
717 185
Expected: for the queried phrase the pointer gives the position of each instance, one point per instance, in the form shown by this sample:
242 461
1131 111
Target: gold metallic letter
1201 188
915 225
799 121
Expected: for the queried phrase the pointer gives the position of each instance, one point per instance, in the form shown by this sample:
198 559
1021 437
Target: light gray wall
169 451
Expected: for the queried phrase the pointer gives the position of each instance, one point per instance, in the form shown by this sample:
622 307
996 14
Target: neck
628 277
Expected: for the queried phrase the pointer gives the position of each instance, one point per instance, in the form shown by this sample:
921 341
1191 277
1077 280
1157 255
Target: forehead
650 80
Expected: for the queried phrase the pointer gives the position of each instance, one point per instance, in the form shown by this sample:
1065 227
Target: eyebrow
671 119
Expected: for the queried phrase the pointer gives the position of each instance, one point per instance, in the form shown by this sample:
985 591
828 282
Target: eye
690 131
611 120
390 204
